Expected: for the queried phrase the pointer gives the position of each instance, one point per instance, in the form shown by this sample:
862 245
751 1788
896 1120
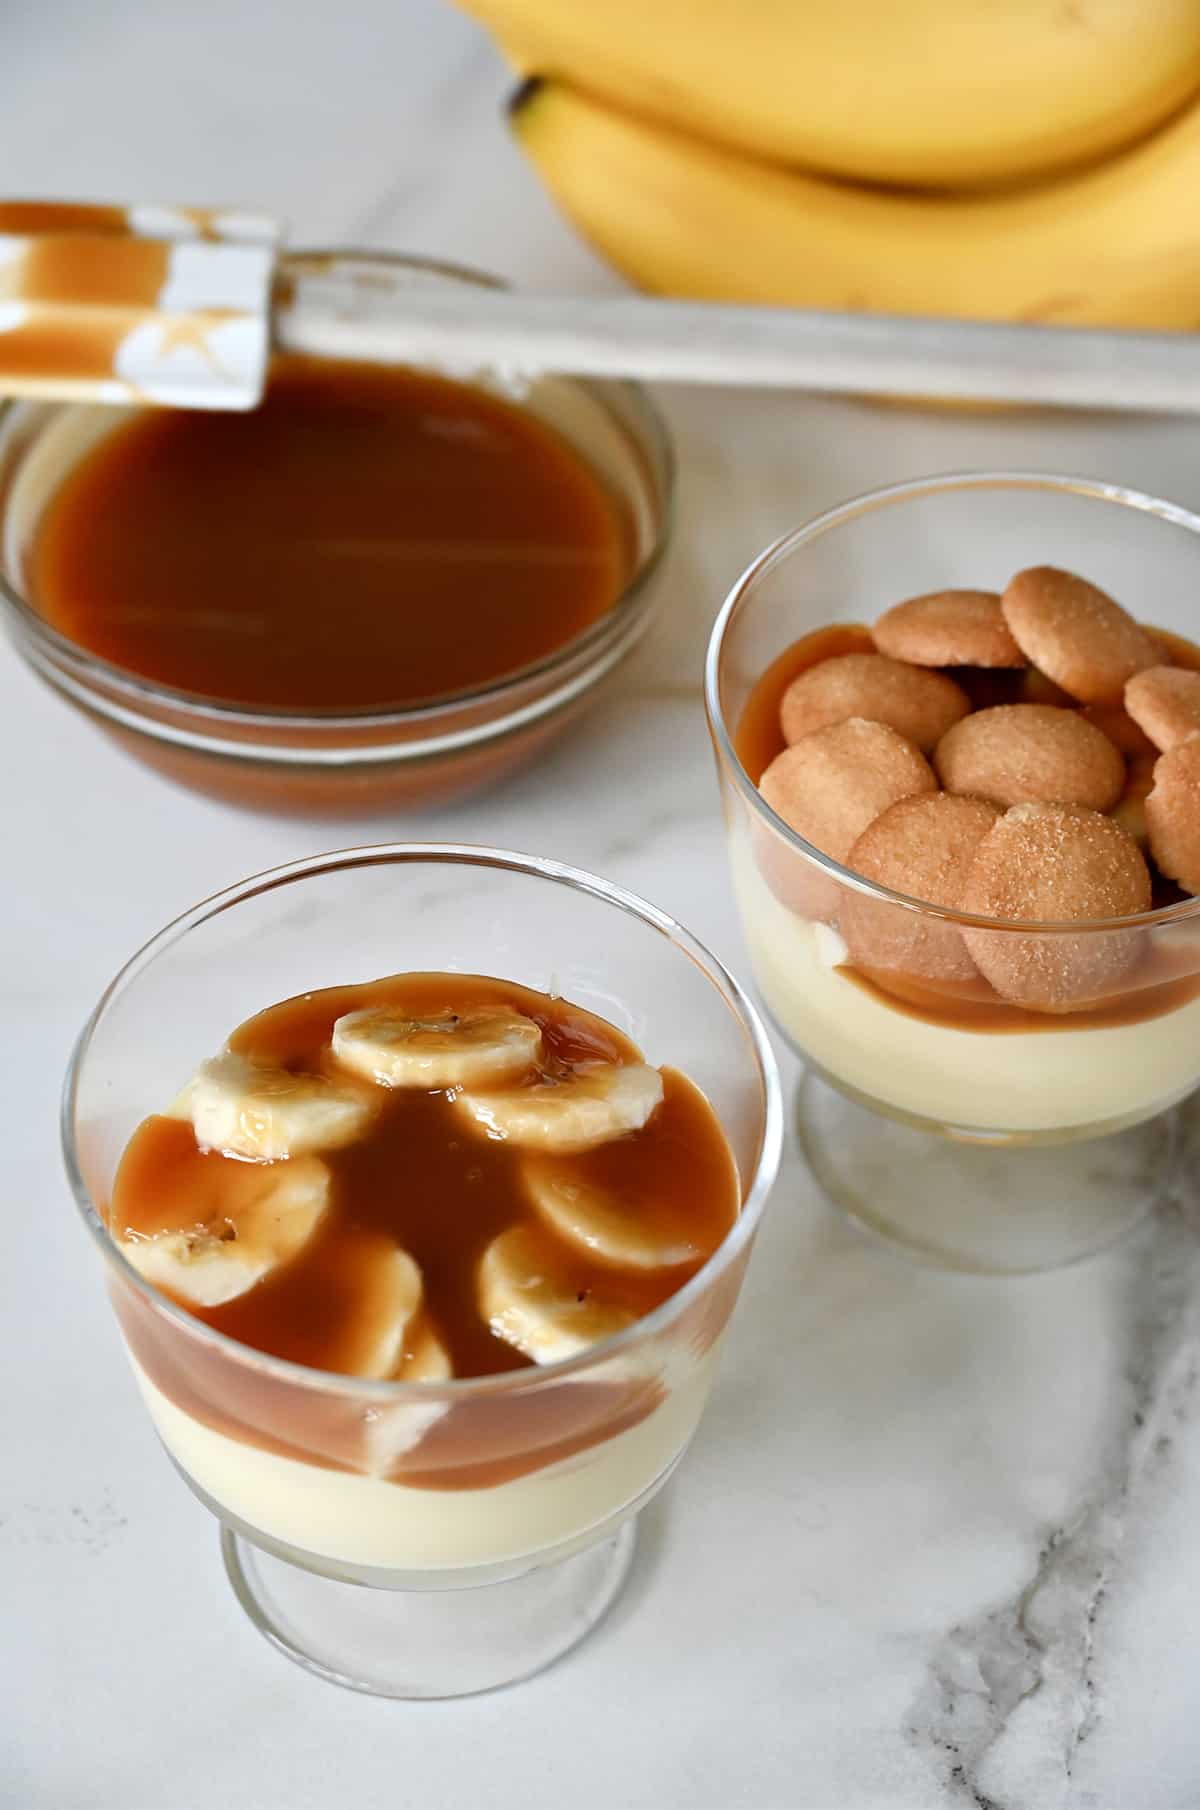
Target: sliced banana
426 1360
530 1299
267 1215
384 1311
181 1105
256 1110
474 1048
610 1227
393 1429
598 1101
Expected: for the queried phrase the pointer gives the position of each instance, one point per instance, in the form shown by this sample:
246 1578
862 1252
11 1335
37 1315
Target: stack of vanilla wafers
1030 756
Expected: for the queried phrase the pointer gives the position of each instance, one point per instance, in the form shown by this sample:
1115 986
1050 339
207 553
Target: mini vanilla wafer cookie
1130 808
832 784
1075 633
1016 752
1164 701
1173 814
922 847
948 628
919 704
1055 863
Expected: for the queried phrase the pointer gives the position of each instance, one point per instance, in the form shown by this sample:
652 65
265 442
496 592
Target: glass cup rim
757 1186
134 687
780 549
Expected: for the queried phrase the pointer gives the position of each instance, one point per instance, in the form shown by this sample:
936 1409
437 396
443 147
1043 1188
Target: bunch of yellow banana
1027 159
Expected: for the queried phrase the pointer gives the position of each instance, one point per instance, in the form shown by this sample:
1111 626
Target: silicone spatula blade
135 304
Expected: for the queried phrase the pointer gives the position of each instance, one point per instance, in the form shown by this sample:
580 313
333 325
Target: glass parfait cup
422 1540
941 1115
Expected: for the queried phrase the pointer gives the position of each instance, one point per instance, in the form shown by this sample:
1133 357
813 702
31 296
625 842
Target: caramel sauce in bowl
385 587
408 1482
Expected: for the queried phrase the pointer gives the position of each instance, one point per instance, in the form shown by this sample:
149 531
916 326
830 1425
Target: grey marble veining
934 1544
1013 1696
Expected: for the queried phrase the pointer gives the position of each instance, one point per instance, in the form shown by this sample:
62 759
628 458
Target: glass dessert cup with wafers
970 1131
422 1539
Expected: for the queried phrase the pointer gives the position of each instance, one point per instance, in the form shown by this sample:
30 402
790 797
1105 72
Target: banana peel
928 93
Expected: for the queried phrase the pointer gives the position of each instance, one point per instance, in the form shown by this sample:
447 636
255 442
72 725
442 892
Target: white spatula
182 306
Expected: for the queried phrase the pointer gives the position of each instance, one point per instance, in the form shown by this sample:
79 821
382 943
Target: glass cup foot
428 1643
995 1209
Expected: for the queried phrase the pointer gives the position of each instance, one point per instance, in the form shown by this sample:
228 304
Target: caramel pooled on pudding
430 1171
443 1239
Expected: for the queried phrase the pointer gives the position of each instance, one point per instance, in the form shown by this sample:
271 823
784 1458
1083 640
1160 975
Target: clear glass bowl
357 762
491 1518
986 1075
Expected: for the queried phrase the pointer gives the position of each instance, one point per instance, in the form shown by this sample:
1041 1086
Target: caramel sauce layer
425 1178
1169 977
476 1445
758 737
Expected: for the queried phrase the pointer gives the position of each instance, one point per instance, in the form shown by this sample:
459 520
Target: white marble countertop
934 1545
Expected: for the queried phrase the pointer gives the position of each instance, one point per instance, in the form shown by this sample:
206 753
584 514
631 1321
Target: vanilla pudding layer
362 1520
1020 1082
